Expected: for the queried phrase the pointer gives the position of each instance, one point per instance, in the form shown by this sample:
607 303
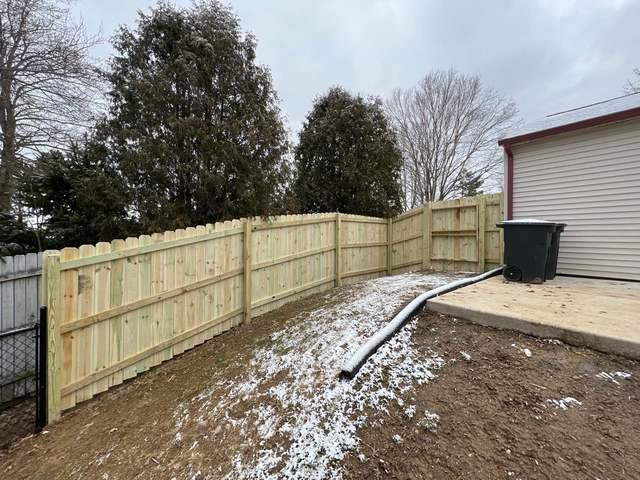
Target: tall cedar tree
347 159
195 123
74 198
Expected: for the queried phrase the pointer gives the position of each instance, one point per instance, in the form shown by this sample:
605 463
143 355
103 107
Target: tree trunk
8 159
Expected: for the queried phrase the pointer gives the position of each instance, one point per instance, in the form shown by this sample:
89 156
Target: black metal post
41 370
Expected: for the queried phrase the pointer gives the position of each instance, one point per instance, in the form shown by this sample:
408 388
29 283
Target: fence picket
117 299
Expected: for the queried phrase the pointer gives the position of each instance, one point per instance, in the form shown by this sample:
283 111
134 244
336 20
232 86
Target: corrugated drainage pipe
353 365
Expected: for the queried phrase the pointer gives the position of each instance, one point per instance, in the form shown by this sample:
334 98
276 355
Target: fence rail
117 309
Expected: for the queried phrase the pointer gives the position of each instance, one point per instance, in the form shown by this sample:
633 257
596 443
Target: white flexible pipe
353 365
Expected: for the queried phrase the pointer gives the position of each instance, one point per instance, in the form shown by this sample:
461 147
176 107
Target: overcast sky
546 55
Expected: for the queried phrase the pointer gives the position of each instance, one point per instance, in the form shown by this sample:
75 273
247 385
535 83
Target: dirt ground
449 400
17 419
496 420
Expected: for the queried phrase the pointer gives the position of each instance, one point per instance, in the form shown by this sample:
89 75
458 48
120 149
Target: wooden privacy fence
117 309
454 235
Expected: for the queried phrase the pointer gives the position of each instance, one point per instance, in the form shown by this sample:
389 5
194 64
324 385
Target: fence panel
123 307
363 245
292 256
452 235
407 241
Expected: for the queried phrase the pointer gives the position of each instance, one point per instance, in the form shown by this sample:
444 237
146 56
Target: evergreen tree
195 124
347 159
470 184
16 236
75 199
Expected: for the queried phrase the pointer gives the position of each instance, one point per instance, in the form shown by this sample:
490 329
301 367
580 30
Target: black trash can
526 249
552 258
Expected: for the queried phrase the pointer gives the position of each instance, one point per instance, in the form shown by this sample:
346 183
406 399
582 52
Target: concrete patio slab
599 314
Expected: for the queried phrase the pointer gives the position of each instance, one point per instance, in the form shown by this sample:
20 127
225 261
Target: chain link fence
18 385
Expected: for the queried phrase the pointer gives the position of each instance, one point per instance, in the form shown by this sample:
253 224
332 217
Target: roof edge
570 127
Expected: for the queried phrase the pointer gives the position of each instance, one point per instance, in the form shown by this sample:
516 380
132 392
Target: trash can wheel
512 273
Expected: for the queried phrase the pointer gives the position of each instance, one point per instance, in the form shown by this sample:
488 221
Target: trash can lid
527 221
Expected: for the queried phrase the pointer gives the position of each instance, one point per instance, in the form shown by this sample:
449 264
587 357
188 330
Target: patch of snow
466 356
410 411
292 389
102 458
397 439
267 422
611 376
564 403
429 421
362 457
524 350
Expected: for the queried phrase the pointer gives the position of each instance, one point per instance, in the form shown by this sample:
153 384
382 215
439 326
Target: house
582 167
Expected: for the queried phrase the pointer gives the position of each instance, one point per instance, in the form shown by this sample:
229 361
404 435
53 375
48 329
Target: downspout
509 181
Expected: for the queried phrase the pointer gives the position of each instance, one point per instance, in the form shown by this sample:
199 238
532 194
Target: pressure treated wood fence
117 309
454 235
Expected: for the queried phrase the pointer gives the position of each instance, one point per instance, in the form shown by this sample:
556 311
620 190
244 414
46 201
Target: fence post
426 236
246 256
52 275
481 231
338 255
390 246
41 369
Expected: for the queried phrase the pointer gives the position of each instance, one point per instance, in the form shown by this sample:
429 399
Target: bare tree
633 86
48 84
447 128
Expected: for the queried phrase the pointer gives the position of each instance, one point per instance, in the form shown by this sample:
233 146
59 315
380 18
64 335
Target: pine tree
470 184
16 236
195 124
75 199
347 159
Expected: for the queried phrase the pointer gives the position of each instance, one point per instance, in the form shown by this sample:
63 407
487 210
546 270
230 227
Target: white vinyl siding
589 179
